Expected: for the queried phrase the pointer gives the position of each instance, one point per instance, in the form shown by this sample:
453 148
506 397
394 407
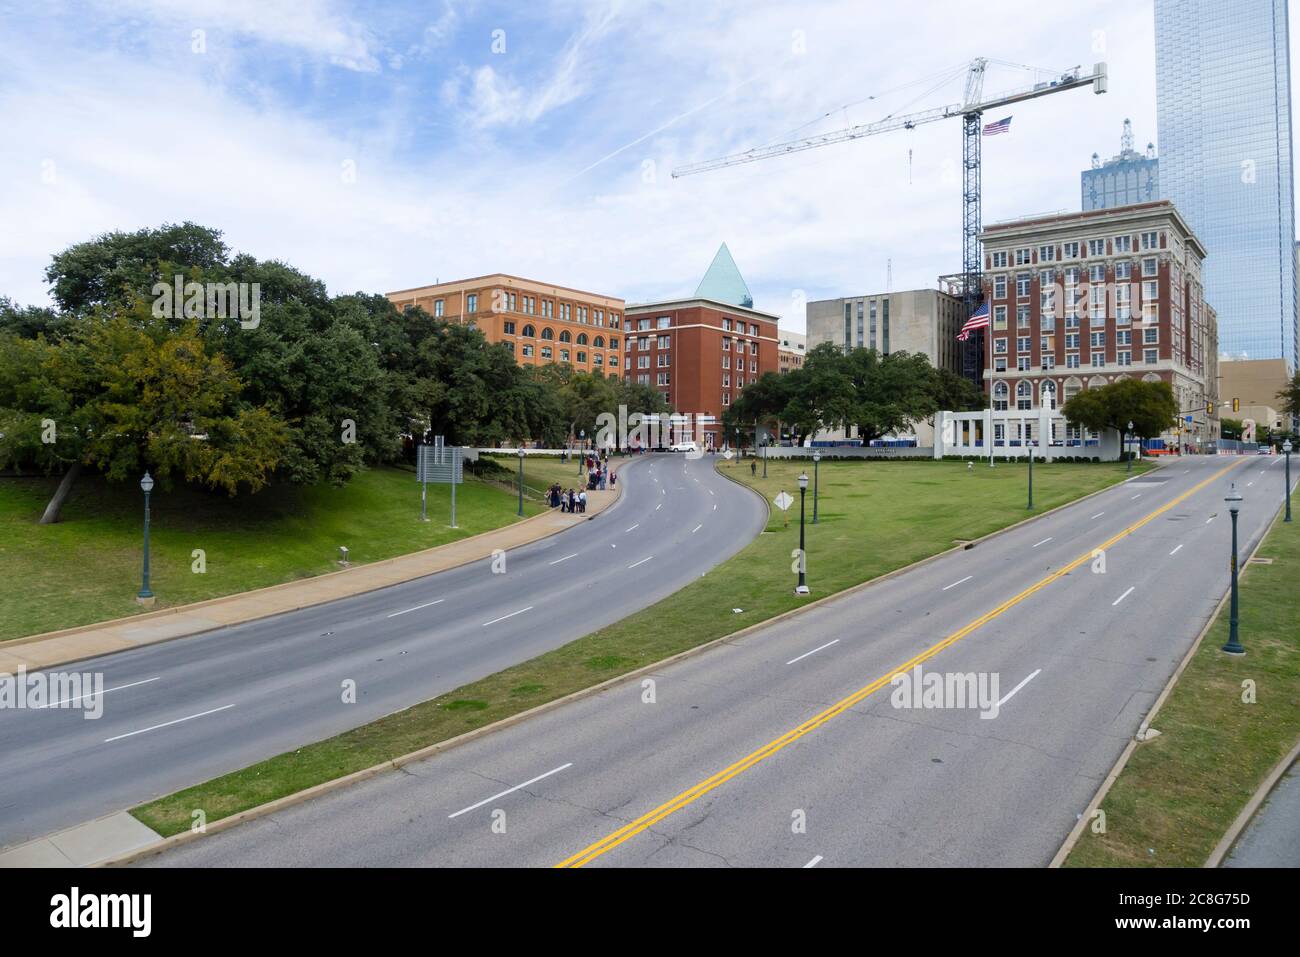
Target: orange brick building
539 322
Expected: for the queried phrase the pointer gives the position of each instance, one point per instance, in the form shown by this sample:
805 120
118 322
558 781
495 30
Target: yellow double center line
650 818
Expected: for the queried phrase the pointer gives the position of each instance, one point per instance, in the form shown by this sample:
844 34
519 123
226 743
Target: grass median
874 517
1180 792
86 568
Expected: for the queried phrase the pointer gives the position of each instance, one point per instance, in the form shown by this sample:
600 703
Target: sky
380 146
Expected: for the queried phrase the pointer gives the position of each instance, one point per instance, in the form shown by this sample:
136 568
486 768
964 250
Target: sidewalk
1272 838
89 641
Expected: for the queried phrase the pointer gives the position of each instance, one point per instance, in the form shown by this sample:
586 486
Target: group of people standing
567 500
599 476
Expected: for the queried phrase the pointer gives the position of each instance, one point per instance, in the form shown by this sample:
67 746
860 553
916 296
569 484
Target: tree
1150 406
113 267
1290 396
890 393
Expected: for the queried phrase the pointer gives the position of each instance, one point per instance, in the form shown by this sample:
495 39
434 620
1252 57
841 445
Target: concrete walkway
89 641
1272 839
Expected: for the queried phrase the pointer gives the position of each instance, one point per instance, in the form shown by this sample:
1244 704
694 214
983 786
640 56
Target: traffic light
1209 408
1236 405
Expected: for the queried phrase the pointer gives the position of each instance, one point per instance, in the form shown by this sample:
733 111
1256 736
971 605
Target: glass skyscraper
1223 99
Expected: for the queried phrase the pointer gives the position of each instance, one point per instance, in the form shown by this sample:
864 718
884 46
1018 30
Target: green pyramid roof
723 282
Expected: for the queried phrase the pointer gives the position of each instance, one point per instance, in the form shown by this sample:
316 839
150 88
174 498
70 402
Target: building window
1022 285
1024 396
665 342
438 308
1022 363
1150 240
1123 244
1000 396
1000 364
582 338
528 350
582 356
1151 336
1000 259
508 328
999 346
1022 344
471 302
1070 250
1124 357
999 287
1098 360
564 355
1096 247
1022 317
548 333
1150 266
662 379
529 333
1046 254
1150 356
1023 257
999 317
1047 398
598 342
1072 360
665 322
546 352
1123 270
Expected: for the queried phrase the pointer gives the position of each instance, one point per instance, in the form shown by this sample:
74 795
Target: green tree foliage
1150 406
1290 396
879 394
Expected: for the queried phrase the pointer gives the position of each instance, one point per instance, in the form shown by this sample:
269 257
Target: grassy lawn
874 517
86 568
1179 792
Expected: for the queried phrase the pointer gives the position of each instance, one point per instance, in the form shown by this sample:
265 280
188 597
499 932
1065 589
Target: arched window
1072 388
529 332
598 342
1047 395
1152 377
1000 396
548 333
582 338
1024 395
1096 382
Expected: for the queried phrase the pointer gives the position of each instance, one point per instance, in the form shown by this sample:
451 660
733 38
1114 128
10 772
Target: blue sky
385 145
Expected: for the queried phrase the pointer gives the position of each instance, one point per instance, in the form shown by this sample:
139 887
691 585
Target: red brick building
699 354
1082 300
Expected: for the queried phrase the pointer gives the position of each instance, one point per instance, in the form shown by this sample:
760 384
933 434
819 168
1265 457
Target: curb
1076 832
314 579
327 787
1248 812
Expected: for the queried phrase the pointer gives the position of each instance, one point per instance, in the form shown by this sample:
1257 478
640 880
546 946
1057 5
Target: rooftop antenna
1126 141
889 275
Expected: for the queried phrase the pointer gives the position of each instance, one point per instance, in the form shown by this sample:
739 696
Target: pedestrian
582 502
613 479
603 478
753 469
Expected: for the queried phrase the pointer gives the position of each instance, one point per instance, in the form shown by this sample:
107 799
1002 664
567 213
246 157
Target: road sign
439 464
783 501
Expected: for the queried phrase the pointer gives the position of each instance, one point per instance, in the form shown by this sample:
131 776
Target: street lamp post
817 457
1233 647
803 554
146 595
521 481
582 451
1286 450
1127 452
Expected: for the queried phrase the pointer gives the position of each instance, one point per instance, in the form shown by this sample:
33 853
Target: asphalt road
182 712
773 751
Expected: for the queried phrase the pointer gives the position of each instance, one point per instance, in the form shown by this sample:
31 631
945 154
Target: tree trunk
61 495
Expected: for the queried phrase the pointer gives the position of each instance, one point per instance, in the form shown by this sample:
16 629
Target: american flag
1001 126
979 320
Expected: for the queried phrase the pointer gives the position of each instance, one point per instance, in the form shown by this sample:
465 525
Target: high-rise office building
1126 178
1223 98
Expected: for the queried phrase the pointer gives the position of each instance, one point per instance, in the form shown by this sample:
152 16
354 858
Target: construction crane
971 111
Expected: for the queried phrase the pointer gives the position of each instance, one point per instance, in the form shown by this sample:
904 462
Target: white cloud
673 82
312 26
